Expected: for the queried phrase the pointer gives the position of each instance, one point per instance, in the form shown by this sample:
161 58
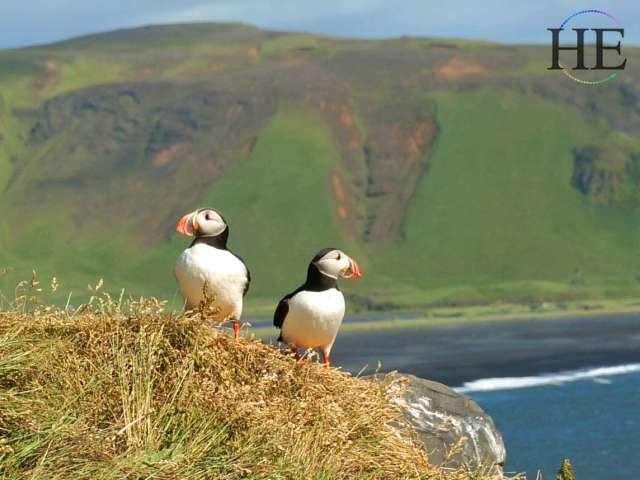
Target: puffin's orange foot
236 329
326 359
299 358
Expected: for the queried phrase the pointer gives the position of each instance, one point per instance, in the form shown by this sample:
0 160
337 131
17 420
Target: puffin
311 315
208 259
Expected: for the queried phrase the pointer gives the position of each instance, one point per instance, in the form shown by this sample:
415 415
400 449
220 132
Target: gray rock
445 420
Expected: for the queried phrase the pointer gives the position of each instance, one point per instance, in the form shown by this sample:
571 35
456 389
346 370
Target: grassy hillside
294 155
510 222
455 172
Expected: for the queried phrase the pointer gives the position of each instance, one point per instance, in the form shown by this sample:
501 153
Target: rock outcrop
454 429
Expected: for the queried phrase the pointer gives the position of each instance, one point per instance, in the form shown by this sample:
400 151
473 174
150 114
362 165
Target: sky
30 22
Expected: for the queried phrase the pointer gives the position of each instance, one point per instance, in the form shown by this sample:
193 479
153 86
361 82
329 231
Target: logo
600 64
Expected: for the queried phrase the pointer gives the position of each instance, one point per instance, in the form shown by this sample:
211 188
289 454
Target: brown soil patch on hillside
48 79
396 157
337 187
457 68
248 147
338 191
167 155
416 142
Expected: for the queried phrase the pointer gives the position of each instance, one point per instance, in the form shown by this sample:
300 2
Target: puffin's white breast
313 318
225 273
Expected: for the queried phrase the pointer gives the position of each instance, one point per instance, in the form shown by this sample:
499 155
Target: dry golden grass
122 389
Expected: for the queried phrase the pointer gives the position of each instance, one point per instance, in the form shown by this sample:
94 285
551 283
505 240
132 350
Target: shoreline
458 353
458 350
450 316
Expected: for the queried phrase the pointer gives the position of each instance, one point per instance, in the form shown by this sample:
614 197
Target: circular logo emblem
566 23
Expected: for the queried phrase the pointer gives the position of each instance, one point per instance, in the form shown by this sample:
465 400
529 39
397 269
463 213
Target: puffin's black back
316 282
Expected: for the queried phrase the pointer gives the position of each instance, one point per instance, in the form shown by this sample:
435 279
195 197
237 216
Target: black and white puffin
208 259
311 315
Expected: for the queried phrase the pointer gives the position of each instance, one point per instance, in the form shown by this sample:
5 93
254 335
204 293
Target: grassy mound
125 390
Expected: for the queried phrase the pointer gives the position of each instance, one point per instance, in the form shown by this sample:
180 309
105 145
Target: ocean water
591 416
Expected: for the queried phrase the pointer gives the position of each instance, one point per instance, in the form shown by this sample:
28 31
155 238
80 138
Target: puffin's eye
339 257
206 216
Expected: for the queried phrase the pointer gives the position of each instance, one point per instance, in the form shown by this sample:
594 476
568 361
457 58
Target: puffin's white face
336 264
204 222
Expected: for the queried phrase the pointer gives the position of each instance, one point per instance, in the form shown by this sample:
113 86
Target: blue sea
591 416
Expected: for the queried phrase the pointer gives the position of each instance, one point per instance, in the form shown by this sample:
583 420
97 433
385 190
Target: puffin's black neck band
219 241
318 281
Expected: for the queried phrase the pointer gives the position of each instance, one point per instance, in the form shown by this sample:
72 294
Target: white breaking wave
560 378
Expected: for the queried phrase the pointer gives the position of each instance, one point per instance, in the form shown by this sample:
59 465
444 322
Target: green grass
14 93
15 64
290 41
153 40
84 71
278 201
498 204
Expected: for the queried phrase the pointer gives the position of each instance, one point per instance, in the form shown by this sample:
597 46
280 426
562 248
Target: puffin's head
204 222
336 264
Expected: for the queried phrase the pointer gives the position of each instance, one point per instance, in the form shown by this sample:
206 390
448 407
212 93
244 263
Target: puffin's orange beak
354 270
185 226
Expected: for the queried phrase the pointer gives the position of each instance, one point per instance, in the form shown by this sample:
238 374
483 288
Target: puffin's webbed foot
326 358
236 330
299 358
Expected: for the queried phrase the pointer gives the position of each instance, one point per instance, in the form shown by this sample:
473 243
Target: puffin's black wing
246 286
281 312
283 308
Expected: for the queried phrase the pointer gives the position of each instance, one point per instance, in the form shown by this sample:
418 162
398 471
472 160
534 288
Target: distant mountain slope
455 171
